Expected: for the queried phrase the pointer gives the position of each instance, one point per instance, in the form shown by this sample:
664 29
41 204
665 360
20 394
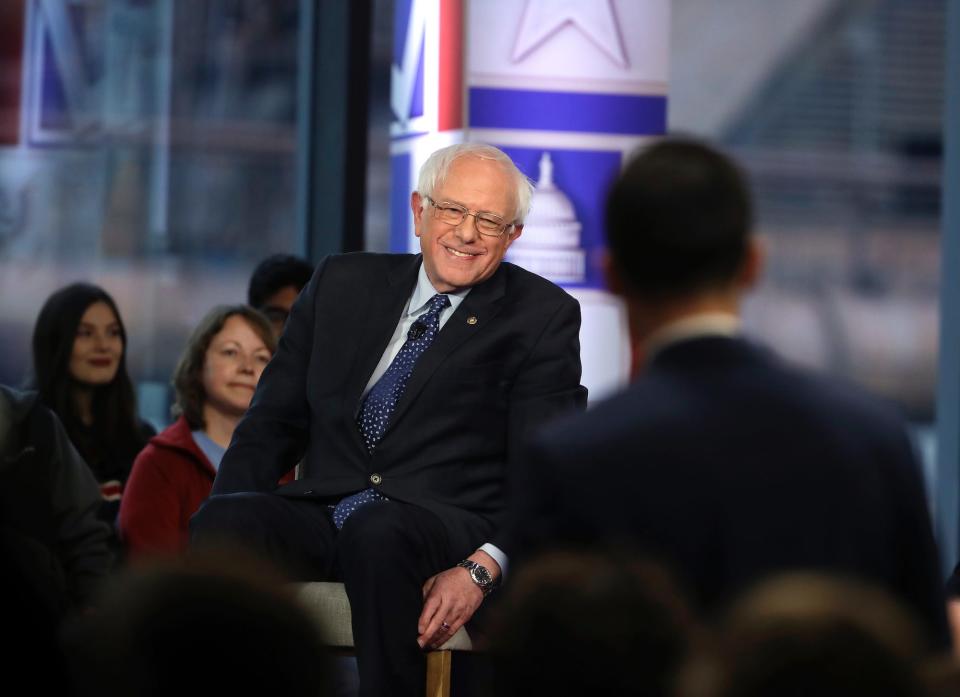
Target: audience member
49 500
941 674
721 459
79 360
586 623
813 635
214 382
54 550
275 284
220 625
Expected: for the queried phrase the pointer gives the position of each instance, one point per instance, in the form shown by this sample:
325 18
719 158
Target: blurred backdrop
162 147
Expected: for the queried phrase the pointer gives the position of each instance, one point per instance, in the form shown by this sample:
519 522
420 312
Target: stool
328 605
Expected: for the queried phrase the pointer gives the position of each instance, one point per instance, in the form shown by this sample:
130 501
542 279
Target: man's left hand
449 600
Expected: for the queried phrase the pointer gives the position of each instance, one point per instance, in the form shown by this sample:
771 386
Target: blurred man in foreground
720 459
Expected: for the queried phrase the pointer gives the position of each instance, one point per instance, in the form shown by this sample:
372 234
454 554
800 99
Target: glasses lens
491 226
450 213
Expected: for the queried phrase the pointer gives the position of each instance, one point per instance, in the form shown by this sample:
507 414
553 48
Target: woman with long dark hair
79 360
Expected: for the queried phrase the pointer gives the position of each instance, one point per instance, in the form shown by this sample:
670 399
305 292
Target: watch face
481 576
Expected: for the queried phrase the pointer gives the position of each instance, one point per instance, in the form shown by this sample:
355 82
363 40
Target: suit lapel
386 303
482 304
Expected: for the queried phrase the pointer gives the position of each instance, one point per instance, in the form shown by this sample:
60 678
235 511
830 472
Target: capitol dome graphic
550 243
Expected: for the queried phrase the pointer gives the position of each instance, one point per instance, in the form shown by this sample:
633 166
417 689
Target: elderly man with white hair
408 382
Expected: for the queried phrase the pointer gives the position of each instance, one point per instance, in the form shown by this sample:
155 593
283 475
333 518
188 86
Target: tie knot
438 303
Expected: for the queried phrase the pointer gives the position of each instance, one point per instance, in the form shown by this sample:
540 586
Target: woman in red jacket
214 381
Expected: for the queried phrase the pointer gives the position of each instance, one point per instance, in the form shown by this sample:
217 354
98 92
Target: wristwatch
479 575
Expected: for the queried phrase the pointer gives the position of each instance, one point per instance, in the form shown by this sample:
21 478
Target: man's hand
449 600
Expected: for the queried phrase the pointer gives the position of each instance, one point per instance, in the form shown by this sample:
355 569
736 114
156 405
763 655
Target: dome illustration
550 243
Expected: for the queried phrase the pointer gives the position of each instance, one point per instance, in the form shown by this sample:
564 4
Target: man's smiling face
457 256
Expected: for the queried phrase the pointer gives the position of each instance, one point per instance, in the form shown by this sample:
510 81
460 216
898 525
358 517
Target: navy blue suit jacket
506 360
729 465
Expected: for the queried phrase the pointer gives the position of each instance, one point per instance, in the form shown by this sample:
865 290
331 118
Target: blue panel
54 112
400 189
626 114
401 24
416 102
583 176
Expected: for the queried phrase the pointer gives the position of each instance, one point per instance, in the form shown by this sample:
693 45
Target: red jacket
170 478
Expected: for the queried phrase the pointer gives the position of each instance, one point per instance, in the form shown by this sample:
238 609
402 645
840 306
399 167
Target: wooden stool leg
438 673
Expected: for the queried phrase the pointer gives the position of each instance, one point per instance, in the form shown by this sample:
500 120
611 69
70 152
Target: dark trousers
384 554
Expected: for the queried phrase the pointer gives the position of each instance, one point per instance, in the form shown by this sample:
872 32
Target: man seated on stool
409 382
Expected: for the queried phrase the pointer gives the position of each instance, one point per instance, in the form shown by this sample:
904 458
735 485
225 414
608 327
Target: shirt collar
424 290
213 451
691 327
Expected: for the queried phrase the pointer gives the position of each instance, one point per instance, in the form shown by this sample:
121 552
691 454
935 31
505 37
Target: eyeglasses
451 213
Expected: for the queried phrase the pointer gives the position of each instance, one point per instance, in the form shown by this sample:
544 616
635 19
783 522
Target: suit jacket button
375 478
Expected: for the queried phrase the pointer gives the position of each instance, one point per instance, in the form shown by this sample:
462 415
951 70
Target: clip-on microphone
417 330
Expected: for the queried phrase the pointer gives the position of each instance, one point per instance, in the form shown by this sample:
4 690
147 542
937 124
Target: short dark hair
678 219
188 375
600 623
810 634
276 272
171 627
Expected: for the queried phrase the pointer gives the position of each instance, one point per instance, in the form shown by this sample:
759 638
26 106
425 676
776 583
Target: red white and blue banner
568 88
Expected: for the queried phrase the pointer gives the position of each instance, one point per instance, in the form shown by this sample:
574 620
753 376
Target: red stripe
11 61
450 98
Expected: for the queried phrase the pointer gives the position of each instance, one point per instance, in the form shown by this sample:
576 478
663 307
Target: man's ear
751 268
514 234
415 205
612 274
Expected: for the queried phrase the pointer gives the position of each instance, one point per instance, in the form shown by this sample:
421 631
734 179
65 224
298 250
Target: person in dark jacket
722 460
50 536
214 380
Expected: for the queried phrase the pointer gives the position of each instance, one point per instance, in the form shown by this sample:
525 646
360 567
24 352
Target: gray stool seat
327 604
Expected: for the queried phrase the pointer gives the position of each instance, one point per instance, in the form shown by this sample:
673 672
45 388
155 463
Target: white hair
437 166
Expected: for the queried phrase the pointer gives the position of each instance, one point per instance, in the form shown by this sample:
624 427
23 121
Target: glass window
835 110
147 146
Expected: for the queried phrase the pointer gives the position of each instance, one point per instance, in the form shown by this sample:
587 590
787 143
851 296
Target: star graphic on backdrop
596 19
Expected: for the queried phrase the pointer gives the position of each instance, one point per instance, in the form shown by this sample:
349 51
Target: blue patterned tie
382 399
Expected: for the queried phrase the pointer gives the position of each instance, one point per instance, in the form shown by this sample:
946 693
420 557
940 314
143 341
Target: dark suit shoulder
365 262
833 397
741 368
726 386
532 286
356 272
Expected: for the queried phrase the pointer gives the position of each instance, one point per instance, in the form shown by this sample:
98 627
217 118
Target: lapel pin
472 319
